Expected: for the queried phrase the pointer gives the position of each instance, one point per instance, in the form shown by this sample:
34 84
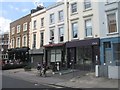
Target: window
42 22
56 55
34 40
107 44
12 43
52 34
112 27
18 28
61 34
51 18
41 39
24 41
88 27
117 53
13 30
74 7
87 4
34 24
18 42
75 30
60 15
25 26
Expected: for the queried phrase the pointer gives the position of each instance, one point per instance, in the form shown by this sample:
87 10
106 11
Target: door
71 57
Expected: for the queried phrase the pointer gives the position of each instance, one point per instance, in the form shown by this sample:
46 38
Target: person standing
44 70
39 68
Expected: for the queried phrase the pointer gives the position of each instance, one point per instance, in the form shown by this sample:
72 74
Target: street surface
9 82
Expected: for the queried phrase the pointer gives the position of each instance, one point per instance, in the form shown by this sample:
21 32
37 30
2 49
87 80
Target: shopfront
110 51
55 56
83 54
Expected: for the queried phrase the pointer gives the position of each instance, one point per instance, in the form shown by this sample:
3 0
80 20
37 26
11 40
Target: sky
11 10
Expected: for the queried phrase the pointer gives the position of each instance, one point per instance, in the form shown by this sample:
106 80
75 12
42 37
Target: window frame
41 39
34 24
73 37
25 26
59 28
42 22
86 3
13 30
34 40
24 44
74 10
52 18
108 30
52 36
18 28
18 42
86 29
60 15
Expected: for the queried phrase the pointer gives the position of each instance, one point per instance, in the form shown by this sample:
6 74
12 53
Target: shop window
52 55
107 44
117 53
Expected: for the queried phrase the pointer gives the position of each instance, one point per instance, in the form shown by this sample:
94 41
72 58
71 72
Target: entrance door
71 58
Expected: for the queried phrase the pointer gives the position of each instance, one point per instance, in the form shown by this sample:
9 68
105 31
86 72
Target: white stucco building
37 34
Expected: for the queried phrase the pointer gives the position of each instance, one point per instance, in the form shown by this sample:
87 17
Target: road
10 82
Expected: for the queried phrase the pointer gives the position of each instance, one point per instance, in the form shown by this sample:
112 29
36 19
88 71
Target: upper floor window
74 7
60 13
18 28
61 34
12 43
52 18
18 42
34 40
87 4
88 27
52 35
13 30
112 27
25 26
42 22
24 41
75 30
34 24
41 39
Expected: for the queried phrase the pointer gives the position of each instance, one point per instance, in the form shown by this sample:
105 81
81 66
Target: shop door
71 58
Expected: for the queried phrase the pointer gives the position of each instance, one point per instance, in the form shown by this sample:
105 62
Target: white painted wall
37 16
55 9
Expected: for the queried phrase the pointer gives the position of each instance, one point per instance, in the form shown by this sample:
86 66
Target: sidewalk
79 80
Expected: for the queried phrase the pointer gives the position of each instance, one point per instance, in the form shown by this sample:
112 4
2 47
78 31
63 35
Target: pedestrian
39 68
44 69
